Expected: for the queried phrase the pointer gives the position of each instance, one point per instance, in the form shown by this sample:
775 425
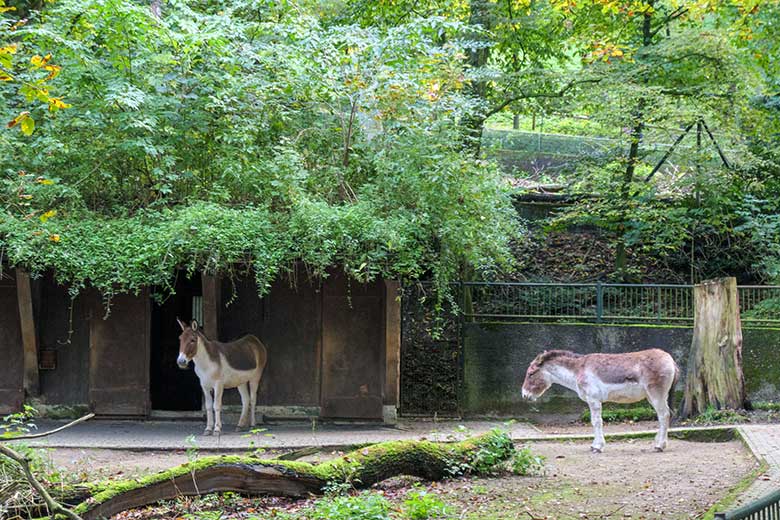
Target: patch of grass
767 406
365 506
421 505
725 503
617 413
524 462
714 416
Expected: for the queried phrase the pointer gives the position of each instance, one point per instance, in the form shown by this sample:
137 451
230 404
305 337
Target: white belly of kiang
233 378
627 393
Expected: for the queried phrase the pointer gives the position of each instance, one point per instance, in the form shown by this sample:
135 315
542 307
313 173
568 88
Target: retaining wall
496 356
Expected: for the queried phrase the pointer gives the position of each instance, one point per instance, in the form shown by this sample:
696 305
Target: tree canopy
226 135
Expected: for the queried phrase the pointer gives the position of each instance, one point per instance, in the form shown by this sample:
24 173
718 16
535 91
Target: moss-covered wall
496 356
761 363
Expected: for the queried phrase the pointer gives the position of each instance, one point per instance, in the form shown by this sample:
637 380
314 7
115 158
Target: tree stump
714 374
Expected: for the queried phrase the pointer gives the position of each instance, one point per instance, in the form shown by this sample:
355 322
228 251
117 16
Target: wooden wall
68 383
353 350
330 343
287 321
11 351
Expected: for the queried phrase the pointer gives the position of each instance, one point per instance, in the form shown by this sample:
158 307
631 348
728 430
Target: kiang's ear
181 324
194 325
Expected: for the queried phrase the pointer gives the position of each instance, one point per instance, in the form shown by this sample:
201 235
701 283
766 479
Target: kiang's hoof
593 449
658 450
242 428
207 432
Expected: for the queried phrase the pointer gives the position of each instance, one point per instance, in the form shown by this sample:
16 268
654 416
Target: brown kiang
236 364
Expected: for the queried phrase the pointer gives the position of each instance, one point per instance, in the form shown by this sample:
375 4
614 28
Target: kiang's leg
244 420
208 402
598 426
219 387
658 398
253 386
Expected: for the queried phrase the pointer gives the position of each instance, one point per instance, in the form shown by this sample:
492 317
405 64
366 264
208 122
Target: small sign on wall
47 359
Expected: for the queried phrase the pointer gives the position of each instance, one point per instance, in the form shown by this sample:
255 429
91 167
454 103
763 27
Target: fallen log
252 476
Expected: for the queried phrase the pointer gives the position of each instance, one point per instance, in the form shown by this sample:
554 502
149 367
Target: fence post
658 298
599 302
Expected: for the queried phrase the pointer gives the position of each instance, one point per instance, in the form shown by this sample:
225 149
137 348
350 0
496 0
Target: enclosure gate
430 353
765 508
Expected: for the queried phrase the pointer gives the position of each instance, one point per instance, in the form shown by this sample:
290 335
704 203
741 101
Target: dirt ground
628 480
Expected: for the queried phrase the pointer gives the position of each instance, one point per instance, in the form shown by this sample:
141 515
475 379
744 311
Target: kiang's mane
548 355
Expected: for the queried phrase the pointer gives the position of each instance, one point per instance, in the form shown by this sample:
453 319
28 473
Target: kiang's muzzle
182 361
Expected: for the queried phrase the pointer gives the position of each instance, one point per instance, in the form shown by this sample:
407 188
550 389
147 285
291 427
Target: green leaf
27 125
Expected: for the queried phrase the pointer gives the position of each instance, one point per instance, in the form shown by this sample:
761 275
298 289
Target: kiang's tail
670 397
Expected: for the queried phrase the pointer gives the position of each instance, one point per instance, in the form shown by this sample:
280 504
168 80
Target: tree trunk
633 157
248 475
715 361
479 15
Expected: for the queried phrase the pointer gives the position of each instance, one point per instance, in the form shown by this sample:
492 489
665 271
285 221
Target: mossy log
715 363
252 476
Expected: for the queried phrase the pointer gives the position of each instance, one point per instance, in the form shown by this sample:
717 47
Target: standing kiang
618 378
236 364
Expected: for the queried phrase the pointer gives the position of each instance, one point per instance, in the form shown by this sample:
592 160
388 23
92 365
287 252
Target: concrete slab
173 435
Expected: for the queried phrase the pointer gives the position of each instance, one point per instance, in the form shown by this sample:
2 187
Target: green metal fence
765 508
606 303
759 305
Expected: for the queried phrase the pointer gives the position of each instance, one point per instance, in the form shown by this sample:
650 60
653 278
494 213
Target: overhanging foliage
227 136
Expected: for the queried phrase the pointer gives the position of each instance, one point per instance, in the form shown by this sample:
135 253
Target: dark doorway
172 388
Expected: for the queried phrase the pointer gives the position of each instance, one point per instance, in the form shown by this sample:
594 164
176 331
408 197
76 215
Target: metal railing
765 508
759 305
597 302
606 303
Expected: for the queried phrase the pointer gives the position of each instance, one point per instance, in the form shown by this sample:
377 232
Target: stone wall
496 356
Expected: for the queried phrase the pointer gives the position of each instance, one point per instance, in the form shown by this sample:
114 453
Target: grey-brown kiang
619 378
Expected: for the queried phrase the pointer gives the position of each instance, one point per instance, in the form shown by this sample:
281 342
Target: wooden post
715 363
29 339
392 351
211 301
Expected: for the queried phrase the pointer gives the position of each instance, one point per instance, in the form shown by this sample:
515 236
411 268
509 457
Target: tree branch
501 106
44 434
669 18
55 508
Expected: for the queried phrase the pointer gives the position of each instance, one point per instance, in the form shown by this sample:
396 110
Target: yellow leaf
6 9
57 104
18 119
54 238
5 77
49 214
54 70
46 182
8 49
39 61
